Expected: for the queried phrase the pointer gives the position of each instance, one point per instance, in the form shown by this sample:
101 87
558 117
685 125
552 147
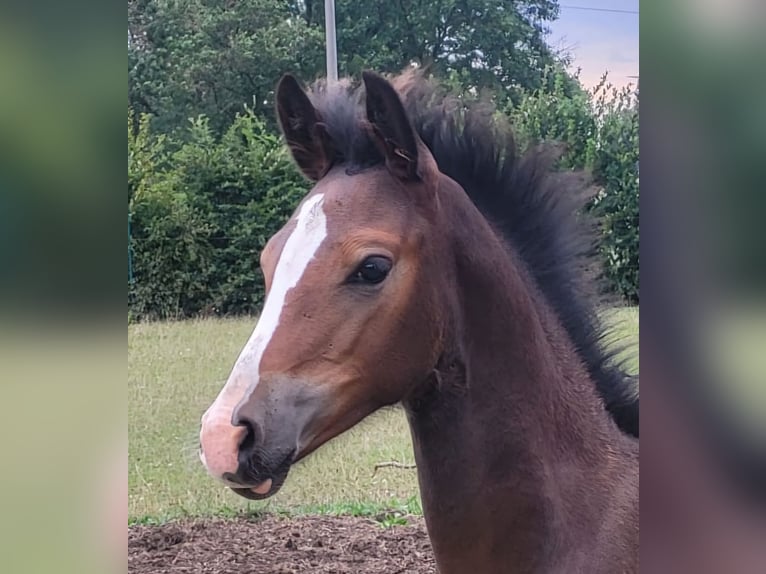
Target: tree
477 43
191 57
212 57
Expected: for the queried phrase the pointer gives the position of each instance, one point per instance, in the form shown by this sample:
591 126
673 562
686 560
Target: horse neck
513 447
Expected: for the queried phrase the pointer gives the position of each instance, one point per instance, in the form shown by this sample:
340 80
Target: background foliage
201 212
599 130
206 193
192 57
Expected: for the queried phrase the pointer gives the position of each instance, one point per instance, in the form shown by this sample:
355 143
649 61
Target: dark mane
535 207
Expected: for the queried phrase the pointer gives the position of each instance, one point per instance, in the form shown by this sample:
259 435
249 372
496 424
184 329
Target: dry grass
174 372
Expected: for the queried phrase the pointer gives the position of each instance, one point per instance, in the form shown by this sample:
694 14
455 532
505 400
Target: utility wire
591 9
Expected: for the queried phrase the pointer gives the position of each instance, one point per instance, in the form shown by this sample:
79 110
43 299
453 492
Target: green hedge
202 207
599 130
200 212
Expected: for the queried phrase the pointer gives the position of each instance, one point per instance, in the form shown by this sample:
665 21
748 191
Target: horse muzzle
251 447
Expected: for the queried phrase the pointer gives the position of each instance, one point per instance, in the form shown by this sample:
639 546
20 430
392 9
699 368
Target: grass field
176 369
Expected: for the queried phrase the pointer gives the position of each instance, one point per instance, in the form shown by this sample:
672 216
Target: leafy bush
615 169
599 131
168 238
558 113
202 206
201 211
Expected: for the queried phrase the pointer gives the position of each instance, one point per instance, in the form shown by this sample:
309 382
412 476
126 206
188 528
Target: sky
600 41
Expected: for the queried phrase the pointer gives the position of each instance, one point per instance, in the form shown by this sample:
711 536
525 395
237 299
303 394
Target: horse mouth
266 489
269 486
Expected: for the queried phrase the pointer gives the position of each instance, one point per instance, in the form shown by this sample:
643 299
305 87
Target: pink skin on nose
220 442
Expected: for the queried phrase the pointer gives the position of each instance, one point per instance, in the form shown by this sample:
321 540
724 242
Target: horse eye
372 270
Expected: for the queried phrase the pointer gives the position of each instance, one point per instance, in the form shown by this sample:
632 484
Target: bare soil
279 545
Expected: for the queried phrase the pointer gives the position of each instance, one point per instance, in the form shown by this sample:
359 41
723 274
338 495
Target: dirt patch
276 545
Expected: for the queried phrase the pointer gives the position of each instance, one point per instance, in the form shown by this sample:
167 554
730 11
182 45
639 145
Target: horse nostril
243 419
249 437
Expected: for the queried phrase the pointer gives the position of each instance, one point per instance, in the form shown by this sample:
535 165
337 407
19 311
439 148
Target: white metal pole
331 47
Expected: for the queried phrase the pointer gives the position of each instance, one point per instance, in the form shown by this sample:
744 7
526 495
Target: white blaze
299 249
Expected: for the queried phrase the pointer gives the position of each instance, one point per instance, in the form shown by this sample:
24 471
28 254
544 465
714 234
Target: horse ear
391 128
303 129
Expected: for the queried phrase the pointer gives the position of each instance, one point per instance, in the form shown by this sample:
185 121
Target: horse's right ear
304 131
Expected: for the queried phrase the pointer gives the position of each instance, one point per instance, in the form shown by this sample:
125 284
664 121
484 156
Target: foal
390 285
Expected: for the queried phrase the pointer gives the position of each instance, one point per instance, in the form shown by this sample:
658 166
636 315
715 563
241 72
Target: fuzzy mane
535 208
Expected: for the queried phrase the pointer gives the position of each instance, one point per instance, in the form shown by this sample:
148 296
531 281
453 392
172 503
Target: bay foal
431 265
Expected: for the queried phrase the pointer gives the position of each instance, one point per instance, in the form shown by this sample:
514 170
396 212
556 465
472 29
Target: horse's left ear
391 128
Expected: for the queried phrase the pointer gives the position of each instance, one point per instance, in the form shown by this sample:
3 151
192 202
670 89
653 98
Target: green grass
623 323
175 370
